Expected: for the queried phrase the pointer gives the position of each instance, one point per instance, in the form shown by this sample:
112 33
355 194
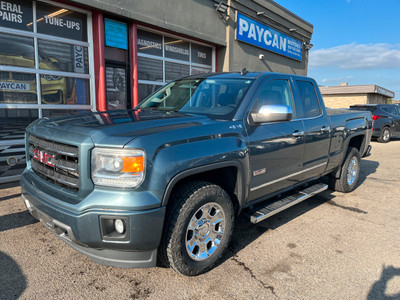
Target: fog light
114 228
119 226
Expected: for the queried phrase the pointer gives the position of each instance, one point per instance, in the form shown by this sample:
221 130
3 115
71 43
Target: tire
385 136
349 173
191 246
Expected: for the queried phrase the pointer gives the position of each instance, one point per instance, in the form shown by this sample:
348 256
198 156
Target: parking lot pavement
332 246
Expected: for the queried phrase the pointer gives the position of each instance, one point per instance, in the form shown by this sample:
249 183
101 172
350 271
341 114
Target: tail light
375 117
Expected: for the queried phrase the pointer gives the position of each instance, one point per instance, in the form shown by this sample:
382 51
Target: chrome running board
279 205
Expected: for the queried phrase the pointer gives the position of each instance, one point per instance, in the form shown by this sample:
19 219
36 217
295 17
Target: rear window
309 100
364 108
390 110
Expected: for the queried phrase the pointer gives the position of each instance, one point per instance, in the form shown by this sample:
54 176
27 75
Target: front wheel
198 228
349 173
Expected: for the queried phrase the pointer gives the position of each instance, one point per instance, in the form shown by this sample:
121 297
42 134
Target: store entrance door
116 53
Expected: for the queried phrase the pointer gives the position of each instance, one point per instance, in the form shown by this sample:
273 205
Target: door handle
298 133
324 129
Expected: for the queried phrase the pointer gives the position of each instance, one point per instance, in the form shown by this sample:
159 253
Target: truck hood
117 128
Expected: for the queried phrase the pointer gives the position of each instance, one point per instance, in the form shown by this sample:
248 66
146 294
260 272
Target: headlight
123 168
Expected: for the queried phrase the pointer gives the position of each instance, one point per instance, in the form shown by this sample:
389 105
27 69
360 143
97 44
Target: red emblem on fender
43 157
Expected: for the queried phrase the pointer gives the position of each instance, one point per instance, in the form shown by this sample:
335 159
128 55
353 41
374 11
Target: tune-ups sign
255 33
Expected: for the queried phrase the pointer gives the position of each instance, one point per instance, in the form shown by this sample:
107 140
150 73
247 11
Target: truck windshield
213 97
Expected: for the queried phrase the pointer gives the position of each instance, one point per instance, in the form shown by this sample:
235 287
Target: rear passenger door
393 114
317 128
397 120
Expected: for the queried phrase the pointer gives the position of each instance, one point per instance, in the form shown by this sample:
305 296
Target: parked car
386 120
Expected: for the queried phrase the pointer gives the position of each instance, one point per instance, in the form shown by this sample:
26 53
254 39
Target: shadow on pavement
368 167
16 220
245 232
12 280
392 139
8 197
9 185
379 287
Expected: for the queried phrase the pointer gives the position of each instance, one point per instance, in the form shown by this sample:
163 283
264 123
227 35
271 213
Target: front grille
56 162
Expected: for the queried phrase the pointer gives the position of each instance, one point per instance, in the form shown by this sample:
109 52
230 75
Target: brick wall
344 101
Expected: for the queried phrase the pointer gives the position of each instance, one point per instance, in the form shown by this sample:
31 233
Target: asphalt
332 246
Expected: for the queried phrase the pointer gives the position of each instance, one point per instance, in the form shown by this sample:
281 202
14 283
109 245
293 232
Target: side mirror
272 113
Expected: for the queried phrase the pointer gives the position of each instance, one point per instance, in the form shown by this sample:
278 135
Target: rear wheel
385 135
349 173
198 229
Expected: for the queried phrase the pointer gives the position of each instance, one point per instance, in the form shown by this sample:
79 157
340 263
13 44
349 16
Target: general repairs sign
255 33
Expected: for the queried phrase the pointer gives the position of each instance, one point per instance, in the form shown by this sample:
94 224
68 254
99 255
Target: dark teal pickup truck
164 182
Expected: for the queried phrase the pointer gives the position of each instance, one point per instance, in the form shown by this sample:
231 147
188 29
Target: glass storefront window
150 69
44 64
57 21
61 112
163 58
16 51
55 55
174 70
17 87
197 70
176 49
16 14
149 43
64 90
14 121
63 57
201 54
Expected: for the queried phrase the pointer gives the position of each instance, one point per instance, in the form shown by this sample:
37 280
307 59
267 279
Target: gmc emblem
43 157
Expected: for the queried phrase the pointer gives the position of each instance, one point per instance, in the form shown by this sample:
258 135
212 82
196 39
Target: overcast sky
355 41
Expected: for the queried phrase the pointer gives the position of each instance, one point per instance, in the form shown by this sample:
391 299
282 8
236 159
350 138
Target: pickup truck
163 183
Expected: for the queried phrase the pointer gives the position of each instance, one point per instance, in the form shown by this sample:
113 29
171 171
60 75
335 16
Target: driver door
276 148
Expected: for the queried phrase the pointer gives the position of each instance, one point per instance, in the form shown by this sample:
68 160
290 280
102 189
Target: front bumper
79 226
376 132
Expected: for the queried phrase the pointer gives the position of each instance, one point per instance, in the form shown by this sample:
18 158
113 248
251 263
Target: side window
274 92
390 110
309 99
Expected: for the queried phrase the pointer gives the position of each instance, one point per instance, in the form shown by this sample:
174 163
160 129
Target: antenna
244 71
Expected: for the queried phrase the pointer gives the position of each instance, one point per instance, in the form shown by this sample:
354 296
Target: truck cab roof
245 74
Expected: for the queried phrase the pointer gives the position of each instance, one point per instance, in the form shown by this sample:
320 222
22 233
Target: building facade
63 57
345 95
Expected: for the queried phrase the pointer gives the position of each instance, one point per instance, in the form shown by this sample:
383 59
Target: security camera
261 56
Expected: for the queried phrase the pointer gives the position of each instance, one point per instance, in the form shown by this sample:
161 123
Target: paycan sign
255 33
